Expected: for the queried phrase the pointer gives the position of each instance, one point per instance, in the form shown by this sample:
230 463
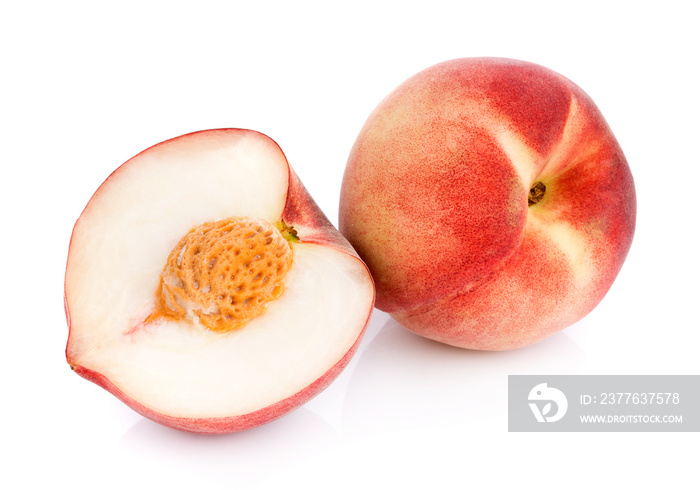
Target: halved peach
206 289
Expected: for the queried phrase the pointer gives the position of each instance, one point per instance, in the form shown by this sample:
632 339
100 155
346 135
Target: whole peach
491 202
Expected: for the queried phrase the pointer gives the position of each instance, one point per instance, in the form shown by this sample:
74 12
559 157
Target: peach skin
491 202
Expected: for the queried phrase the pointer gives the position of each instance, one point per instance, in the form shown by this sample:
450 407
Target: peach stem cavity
536 193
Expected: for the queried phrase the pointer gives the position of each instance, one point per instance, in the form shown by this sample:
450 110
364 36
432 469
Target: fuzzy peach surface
435 201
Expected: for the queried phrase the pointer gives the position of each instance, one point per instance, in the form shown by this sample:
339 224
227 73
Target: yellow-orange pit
224 273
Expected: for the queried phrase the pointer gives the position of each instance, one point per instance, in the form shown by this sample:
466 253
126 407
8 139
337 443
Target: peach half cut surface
491 202
206 289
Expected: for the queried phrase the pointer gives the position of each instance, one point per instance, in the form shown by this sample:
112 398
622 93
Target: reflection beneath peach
403 381
239 457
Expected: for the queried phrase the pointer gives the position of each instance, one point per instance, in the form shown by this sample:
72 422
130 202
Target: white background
87 85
